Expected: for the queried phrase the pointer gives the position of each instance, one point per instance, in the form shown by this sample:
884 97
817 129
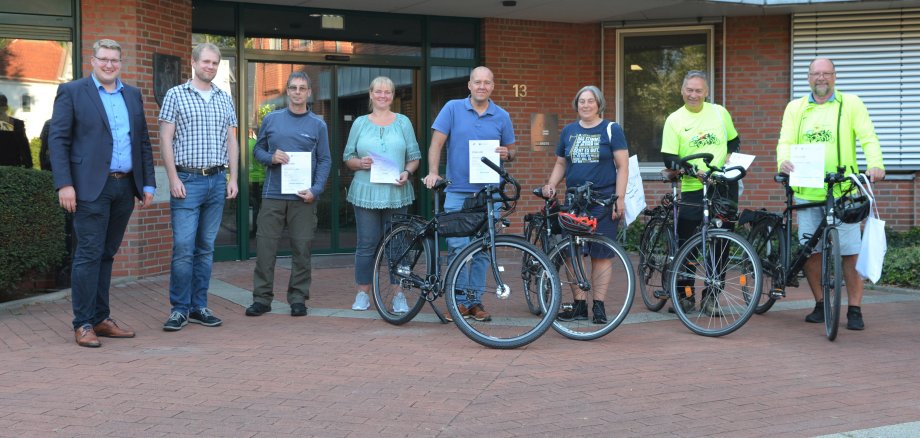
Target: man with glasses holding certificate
819 133
471 128
293 146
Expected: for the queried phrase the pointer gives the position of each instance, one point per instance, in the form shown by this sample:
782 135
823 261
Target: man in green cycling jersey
826 119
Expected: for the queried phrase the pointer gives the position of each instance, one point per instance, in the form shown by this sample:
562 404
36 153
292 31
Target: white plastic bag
874 246
635 192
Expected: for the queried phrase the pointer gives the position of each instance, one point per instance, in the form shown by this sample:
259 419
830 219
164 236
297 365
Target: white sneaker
362 301
399 303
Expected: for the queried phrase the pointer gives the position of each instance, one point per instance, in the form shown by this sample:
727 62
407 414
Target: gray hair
598 95
379 81
106 44
196 52
298 75
696 74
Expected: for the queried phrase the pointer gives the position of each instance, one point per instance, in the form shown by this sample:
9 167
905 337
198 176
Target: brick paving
352 375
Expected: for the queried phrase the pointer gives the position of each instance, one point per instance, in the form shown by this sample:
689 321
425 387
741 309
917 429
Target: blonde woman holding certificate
377 144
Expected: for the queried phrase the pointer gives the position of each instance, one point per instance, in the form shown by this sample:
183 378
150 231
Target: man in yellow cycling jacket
815 119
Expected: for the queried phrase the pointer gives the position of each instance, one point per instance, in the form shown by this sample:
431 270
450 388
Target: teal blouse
395 141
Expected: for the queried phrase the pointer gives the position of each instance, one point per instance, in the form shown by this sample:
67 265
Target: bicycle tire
733 276
655 249
769 244
512 325
394 260
533 234
618 295
831 281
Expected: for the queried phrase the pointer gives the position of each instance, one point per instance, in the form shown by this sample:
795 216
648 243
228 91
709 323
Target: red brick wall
142 27
553 60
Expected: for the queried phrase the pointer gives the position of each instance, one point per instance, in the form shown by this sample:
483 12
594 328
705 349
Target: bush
902 266
31 224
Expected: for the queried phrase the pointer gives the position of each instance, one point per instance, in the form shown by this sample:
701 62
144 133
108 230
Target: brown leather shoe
86 337
109 329
479 313
463 311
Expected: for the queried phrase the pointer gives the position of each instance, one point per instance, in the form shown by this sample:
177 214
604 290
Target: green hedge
31 225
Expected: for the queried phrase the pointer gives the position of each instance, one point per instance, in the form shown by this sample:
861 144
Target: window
650 68
876 54
26 103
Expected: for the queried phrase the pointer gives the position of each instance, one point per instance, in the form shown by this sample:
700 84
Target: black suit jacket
81 142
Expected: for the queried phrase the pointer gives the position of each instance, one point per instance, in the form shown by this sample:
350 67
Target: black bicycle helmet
578 225
851 209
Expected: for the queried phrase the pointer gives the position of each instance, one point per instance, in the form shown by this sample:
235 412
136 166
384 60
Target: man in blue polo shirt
459 122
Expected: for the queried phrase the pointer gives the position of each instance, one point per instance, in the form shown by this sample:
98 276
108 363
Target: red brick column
142 27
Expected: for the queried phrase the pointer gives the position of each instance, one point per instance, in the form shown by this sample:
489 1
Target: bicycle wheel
654 252
725 279
831 281
511 323
768 243
614 284
401 264
533 232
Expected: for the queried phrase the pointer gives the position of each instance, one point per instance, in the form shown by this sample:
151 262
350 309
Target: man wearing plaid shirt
198 138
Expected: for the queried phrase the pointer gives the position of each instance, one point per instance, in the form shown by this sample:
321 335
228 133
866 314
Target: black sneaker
298 309
257 309
204 317
816 315
579 311
175 322
687 304
854 318
600 315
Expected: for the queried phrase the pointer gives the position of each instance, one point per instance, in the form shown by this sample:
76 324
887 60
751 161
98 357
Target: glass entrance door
339 96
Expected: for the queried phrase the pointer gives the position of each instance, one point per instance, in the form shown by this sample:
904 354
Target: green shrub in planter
31 224
902 267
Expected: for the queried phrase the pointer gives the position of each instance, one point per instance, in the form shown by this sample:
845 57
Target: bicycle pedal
777 294
661 294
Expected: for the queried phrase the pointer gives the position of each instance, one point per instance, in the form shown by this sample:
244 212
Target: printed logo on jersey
586 148
818 135
703 139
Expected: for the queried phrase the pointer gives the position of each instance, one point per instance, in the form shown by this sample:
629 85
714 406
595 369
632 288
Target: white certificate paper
738 159
383 170
479 172
297 174
809 166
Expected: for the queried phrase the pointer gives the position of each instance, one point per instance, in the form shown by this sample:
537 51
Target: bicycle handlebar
506 178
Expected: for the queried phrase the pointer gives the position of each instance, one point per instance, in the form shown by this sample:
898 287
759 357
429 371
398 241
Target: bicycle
730 282
407 262
658 245
771 236
567 250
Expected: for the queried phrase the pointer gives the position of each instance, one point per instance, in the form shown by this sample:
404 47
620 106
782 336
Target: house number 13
520 90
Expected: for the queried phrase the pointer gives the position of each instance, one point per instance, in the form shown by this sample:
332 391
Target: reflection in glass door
339 96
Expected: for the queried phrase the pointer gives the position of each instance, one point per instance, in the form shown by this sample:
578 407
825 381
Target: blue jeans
370 224
195 222
472 277
99 227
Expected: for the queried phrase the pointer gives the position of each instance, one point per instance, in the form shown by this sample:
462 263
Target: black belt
207 171
119 175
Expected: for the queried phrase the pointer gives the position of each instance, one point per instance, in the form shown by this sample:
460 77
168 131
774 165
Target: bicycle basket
460 223
577 225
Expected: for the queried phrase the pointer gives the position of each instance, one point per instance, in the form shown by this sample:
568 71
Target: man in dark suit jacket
101 160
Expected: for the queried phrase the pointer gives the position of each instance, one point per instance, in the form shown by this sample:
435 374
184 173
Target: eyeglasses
106 61
293 88
822 74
